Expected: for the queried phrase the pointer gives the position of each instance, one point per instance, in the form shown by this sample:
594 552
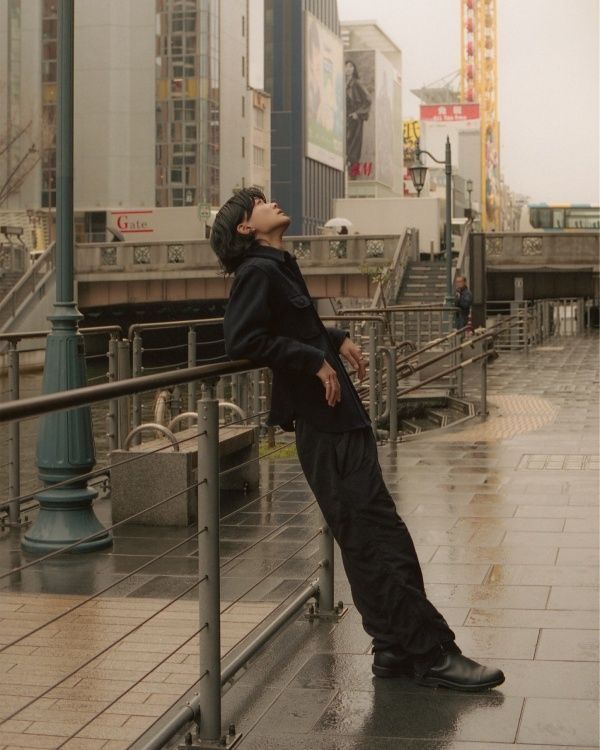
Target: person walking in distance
270 320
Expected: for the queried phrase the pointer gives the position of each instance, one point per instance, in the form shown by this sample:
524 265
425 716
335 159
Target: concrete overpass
124 273
551 264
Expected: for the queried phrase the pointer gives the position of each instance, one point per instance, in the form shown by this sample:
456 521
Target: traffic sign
204 211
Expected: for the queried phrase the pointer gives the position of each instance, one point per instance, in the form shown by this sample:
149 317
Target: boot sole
438 682
388 672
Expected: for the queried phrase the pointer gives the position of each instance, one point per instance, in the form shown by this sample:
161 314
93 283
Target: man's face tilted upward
267 218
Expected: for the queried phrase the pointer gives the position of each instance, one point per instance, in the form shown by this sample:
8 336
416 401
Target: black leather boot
388 663
457 672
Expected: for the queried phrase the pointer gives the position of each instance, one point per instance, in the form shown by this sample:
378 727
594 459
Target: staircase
424 283
7 281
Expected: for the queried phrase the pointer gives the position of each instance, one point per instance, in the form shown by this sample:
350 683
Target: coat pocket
303 317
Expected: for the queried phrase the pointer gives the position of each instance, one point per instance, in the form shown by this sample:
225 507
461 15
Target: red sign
449 112
133 222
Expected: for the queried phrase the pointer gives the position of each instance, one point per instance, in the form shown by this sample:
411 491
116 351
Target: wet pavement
504 515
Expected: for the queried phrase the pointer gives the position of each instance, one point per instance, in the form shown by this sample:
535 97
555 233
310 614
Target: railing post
136 399
256 396
14 439
208 563
192 361
483 385
392 395
372 378
123 373
325 601
113 404
460 388
526 327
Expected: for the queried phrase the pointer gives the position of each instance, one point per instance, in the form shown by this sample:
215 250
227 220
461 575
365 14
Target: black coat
270 320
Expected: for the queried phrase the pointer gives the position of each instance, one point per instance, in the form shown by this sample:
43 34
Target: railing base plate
226 742
334 615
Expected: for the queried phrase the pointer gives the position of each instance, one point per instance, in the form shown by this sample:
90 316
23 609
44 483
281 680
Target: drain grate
559 461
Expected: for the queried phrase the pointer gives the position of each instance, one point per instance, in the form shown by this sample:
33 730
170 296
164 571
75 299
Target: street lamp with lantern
418 173
469 191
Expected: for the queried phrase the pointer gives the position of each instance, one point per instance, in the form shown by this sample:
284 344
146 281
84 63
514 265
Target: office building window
243 147
259 156
243 106
259 118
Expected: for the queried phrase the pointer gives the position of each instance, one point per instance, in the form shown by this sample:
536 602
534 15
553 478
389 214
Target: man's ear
244 228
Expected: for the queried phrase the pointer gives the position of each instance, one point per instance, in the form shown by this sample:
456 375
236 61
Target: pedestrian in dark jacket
270 320
463 299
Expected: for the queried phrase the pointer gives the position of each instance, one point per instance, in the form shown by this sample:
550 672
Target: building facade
155 87
304 76
246 122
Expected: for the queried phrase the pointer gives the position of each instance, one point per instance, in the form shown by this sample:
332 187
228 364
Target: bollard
372 378
208 563
14 439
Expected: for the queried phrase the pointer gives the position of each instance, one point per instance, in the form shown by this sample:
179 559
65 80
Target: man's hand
353 355
328 376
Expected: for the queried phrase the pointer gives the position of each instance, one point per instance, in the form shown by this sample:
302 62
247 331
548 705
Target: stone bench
137 484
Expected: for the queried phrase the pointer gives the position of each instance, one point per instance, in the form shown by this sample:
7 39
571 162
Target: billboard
384 120
372 111
324 94
359 69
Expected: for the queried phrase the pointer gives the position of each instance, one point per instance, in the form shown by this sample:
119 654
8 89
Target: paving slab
504 515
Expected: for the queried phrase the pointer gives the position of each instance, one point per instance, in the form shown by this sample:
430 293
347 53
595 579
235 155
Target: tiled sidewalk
505 518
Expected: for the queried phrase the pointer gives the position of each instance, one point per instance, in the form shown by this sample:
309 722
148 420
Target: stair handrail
387 290
27 284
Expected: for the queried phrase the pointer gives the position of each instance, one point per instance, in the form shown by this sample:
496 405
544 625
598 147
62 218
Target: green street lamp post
65 447
418 173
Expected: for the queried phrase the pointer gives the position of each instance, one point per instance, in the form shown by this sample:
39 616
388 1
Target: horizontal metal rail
161 326
37 405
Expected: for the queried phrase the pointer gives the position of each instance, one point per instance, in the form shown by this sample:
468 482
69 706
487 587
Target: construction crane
479 84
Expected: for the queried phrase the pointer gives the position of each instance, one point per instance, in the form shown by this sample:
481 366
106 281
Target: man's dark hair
228 244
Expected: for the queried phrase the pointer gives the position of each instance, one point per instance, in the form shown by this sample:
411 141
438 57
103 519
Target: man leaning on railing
270 320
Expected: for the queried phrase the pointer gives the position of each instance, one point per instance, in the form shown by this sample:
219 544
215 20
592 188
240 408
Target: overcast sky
548 61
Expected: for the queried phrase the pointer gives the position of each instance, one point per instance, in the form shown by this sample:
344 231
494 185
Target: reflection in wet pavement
506 527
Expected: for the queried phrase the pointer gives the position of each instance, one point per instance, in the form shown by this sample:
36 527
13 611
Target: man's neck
272 240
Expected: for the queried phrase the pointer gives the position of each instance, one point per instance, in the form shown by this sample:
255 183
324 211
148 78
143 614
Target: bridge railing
105 258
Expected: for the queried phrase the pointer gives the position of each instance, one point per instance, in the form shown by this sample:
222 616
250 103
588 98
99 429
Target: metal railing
39 273
13 393
539 320
205 708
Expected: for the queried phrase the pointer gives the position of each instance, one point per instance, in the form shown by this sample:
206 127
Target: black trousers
378 553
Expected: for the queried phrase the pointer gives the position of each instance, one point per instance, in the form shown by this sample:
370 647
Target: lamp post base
66 516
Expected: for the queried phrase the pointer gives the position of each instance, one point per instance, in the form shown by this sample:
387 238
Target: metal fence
205 709
539 320
391 365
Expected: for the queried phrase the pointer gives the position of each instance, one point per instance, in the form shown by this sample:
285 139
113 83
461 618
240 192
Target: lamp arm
422 151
